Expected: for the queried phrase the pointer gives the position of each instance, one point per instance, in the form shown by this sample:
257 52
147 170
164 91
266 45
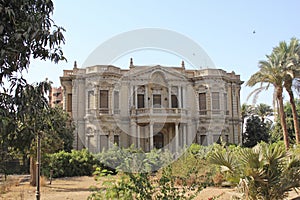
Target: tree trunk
282 118
295 116
32 171
243 131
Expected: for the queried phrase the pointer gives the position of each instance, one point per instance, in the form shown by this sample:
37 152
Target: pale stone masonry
152 106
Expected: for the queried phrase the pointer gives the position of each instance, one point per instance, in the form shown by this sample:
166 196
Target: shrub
133 160
68 164
263 172
143 186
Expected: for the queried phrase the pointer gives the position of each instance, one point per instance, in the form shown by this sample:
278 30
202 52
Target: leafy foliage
256 131
27 31
68 164
276 131
143 186
281 69
263 172
134 160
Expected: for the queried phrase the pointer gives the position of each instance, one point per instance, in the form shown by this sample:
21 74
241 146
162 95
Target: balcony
103 111
68 72
212 112
159 111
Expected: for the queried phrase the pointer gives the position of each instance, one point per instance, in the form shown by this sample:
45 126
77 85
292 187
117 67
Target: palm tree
263 111
271 73
291 64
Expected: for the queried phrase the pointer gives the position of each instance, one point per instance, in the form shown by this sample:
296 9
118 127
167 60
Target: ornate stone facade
152 106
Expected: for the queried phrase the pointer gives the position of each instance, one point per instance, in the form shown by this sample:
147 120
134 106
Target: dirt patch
78 188
74 188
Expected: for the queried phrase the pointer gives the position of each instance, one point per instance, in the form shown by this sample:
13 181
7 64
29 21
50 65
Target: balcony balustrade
159 111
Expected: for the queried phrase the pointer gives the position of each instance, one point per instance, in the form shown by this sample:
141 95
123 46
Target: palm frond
224 159
255 93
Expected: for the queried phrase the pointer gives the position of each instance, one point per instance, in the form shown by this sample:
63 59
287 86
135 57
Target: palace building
152 106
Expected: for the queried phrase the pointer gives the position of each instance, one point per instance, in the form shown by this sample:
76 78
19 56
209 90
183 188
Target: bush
262 172
133 160
143 186
68 164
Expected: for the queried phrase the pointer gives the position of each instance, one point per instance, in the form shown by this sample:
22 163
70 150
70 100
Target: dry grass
5 185
79 188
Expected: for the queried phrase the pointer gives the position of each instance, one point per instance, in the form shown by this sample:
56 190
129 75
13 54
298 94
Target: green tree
276 131
27 31
271 73
291 66
256 131
7 124
263 111
33 115
62 126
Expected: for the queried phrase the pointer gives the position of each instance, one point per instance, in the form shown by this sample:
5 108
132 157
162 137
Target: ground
78 188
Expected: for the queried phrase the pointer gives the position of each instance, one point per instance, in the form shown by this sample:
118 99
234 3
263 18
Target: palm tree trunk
282 118
295 116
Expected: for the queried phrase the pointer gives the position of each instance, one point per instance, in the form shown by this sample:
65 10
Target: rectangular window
103 142
156 101
203 140
215 100
174 101
91 99
141 101
104 99
69 103
202 103
116 140
116 100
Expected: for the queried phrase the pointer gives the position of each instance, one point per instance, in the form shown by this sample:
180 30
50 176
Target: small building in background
56 96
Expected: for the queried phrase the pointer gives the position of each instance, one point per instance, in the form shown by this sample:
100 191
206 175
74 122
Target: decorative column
179 97
135 96
131 97
184 135
133 134
184 97
151 135
110 94
138 136
146 96
112 101
189 131
176 136
96 98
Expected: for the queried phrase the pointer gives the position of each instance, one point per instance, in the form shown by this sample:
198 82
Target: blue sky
224 29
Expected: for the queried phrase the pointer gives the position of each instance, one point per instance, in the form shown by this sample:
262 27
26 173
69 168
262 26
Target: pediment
152 74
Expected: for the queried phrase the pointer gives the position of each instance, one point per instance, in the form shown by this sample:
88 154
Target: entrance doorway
158 140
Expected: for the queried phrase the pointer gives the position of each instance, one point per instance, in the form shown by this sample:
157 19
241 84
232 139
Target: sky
236 34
